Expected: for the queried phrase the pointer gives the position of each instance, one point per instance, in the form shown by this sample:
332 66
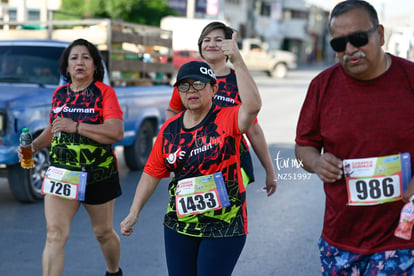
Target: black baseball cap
196 70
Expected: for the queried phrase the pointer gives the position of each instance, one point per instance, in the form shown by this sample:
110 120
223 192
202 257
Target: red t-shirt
92 106
202 150
227 95
359 119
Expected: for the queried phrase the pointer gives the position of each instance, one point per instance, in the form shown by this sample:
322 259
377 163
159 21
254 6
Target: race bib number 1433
200 194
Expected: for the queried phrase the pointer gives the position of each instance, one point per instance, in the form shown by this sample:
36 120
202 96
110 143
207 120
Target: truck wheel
279 71
26 185
137 154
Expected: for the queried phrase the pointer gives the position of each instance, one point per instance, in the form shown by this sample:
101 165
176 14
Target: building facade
292 25
24 10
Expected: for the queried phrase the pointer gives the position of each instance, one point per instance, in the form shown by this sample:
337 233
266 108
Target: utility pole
24 10
44 12
251 17
190 8
6 18
220 15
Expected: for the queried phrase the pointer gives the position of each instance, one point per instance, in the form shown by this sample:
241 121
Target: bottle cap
25 130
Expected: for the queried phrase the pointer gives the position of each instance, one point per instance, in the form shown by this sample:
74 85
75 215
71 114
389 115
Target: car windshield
29 64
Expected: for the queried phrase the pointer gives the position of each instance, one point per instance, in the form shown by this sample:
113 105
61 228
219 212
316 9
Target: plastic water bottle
405 226
26 149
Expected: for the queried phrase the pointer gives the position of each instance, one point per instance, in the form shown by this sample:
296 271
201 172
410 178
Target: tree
148 12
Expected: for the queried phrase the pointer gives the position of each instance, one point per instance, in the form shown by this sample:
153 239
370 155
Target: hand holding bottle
405 226
26 151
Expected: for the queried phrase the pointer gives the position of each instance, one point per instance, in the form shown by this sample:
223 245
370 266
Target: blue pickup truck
25 100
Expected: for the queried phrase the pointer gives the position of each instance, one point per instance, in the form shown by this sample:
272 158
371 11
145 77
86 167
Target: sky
387 8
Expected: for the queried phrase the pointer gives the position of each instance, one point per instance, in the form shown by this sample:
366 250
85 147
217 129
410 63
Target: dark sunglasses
185 86
357 39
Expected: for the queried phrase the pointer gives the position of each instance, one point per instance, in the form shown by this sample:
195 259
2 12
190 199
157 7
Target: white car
276 63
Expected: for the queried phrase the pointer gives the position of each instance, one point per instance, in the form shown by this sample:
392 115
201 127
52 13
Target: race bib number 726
65 183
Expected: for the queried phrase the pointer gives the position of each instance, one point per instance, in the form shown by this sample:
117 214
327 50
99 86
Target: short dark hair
93 51
348 5
228 32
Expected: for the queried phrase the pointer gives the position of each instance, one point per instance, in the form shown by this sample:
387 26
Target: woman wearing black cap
206 220
209 47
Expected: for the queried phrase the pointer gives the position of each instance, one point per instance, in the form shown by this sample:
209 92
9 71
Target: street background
283 229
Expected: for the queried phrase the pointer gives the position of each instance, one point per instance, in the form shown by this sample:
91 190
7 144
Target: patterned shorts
337 262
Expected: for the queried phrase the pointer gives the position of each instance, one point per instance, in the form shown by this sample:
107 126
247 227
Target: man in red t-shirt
361 107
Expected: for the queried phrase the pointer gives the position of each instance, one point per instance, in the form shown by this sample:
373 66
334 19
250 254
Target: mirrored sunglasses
357 39
185 86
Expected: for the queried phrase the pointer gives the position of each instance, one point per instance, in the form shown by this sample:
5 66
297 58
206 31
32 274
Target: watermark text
290 163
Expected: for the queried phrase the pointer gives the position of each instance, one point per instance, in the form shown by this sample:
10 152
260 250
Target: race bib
65 183
377 180
201 194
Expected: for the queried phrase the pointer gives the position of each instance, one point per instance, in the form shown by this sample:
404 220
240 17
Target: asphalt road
283 229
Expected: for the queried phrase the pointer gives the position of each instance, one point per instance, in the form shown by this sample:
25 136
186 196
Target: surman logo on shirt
65 108
224 99
201 149
78 110
202 145
172 157
59 108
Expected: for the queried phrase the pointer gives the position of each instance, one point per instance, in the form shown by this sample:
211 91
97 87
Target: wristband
77 127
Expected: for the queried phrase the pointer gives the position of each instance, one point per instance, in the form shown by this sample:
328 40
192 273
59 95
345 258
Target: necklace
72 93
387 62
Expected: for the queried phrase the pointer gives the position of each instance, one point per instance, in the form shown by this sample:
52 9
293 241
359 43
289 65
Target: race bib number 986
377 180
372 190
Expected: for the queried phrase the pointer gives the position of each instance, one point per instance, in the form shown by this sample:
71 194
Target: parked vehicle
183 56
185 30
25 96
276 63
